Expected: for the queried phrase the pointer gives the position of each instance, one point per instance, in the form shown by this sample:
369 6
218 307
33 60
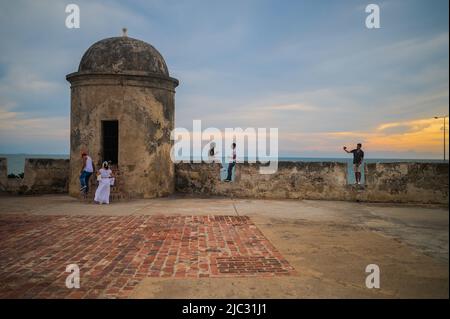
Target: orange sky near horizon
421 135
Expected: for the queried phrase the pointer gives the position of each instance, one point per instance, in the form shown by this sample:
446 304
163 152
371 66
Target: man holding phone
358 156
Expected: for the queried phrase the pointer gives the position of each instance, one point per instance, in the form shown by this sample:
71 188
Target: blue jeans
84 180
230 170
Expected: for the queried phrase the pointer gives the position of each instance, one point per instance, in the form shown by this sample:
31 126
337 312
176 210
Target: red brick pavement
115 253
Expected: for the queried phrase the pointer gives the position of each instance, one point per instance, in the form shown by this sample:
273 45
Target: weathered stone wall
44 176
3 174
385 182
299 180
407 182
144 109
41 176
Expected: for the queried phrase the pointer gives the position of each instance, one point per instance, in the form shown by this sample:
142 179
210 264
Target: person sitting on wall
358 156
86 171
105 179
231 164
212 153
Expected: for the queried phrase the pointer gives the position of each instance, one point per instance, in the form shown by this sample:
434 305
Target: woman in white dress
105 179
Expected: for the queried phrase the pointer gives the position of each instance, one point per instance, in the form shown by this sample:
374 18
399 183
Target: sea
16 162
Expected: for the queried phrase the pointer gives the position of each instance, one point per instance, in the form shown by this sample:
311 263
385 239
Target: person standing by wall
86 171
231 164
358 156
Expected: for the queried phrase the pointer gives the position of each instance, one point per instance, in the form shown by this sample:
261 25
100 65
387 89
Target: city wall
406 182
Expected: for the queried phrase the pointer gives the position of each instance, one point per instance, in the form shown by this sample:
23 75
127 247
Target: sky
309 68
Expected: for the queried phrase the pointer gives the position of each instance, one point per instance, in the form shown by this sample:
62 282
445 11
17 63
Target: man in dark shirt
358 156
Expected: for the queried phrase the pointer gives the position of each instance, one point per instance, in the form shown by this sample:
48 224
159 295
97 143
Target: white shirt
88 166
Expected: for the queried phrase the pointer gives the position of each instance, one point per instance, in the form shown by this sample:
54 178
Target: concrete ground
328 243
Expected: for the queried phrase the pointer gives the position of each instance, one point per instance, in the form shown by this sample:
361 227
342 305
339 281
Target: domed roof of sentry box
121 55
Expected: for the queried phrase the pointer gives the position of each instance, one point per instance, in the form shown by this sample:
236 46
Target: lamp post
444 118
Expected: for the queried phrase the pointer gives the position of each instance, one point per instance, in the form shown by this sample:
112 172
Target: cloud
15 127
6 115
405 127
22 81
318 78
292 107
422 137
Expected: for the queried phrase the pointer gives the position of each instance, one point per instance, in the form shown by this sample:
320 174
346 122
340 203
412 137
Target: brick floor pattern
115 253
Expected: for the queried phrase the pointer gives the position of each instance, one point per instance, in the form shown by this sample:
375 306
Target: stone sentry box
123 88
